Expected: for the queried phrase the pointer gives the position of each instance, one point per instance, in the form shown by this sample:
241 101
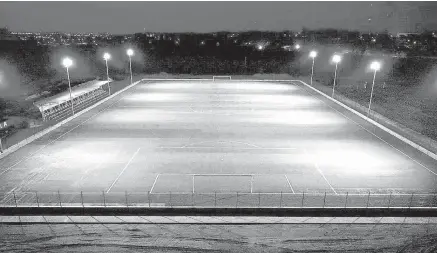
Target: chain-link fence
218 199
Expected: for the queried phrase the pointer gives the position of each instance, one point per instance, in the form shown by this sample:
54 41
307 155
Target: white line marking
244 143
207 175
319 170
210 147
289 184
125 167
153 186
382 128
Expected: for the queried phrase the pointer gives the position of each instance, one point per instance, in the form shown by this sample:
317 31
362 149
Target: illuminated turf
204 136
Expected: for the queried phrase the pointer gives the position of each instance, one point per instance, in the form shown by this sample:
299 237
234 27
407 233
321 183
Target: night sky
131 17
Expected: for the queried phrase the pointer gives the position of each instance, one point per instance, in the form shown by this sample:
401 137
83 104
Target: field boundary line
38 135
125 167
389 131
289 184
154 182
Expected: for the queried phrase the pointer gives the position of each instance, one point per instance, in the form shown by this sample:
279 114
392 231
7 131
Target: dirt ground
219 238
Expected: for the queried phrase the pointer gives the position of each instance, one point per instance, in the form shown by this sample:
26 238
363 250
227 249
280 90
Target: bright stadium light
336 59
130 52
106 57
375 66
313 55
67 62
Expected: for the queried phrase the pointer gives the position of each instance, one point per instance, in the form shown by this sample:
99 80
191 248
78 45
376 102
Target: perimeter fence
218 199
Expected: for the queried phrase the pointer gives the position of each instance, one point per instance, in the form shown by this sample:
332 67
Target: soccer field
216 137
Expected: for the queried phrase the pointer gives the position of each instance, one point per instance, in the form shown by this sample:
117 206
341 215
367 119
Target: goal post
221 78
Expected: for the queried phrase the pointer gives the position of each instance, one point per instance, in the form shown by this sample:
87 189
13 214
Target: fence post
389 200
59 197
345 202
81 198
280 202
125 196
15 199
411 200
148 197
368 198
215 199
37 200
434 200
236 202
171 205
303 197
324 200
104 199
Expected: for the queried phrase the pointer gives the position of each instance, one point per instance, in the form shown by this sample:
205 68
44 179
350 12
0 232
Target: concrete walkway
212 220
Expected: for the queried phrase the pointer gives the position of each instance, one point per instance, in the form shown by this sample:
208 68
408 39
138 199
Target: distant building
5 34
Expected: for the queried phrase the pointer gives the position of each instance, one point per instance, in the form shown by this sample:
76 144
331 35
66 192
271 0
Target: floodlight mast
336 59
375 66
106 57
313 54
130 52
67 62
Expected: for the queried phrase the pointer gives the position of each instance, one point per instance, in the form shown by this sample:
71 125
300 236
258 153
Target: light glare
106 56
336 58
313 54
67 62
375 66
130 52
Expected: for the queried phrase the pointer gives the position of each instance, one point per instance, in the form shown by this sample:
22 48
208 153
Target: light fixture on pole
375 66
106 57
130 52
313 54
336 59
67 62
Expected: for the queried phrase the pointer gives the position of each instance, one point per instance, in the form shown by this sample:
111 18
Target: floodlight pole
335 77
107 75
312 71
371 93
69 86
130 67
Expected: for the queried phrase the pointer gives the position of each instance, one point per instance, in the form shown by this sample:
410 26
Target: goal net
221 78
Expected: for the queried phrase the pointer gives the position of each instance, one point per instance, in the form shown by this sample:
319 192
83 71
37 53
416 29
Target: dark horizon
208 17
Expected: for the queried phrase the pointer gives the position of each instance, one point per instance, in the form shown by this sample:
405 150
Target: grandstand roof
65 95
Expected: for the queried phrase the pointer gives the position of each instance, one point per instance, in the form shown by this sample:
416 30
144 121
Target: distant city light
106 56
297 46
130 52
67 62
260 47
313 54
336 58
375 66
